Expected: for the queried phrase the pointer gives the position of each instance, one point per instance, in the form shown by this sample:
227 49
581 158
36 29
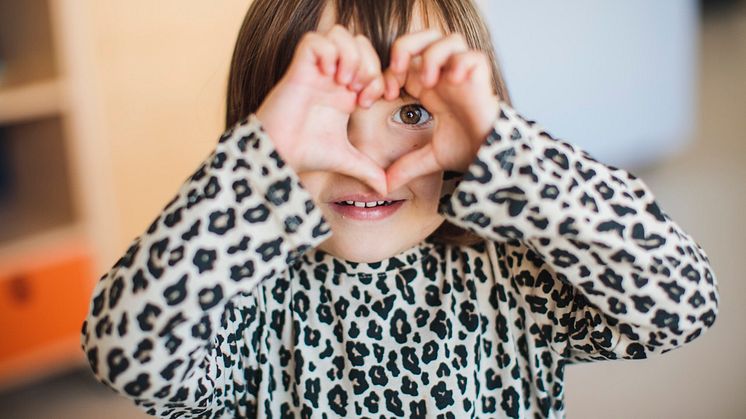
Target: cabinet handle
20 288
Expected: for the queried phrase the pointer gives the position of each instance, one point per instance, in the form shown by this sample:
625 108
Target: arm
602 270
241 218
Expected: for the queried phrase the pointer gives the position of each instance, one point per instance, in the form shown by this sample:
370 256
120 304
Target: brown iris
410 114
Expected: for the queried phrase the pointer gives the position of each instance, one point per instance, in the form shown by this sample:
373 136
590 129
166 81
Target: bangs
383 21
272 29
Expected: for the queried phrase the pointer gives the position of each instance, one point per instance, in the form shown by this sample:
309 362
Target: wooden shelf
48 246
31 101
46 258
35 193
26 43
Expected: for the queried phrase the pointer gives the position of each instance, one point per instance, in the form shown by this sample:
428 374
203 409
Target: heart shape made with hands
454 84
308 111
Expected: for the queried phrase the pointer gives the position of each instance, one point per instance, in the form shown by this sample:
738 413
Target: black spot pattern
224 306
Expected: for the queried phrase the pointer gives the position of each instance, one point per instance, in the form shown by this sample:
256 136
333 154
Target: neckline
318 259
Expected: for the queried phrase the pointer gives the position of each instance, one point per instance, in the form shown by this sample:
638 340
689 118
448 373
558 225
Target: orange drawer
44 304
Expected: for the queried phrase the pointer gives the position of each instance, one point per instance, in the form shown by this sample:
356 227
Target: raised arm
240 218
601 268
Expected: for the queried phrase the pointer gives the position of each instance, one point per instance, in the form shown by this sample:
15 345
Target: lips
364 198
378 212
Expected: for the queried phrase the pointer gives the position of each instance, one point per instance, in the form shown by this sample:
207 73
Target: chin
354 252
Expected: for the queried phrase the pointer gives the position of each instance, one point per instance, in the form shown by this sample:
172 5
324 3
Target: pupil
410 114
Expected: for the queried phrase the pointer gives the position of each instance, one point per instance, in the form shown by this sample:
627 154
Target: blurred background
107 107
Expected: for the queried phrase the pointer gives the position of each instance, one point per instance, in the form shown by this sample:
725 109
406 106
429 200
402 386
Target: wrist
273 136
479 124
484 120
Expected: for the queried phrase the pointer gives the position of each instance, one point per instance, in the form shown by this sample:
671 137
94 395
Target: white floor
704 190
71 395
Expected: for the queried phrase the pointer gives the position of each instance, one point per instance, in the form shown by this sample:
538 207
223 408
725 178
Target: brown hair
272 29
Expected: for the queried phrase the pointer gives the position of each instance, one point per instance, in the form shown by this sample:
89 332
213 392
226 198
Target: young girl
396 242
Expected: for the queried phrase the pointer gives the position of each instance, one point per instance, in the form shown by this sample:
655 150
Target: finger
349 57
462 64
412 82
360 166
372 92
412 165
370 64
409 45
409 79
437 55
391 85
319 50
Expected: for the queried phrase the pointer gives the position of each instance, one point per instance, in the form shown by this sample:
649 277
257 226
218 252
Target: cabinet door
42 306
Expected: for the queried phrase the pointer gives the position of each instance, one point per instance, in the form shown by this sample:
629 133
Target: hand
307 111
454 84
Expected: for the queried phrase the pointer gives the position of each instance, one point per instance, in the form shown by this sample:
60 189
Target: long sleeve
601 269
240 218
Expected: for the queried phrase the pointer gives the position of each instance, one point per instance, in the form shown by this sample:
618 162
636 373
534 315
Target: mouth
367 211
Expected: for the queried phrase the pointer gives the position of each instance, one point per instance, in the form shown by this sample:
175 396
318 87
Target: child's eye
411 114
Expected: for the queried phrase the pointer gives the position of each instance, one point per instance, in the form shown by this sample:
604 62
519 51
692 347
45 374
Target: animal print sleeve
240 218
601 269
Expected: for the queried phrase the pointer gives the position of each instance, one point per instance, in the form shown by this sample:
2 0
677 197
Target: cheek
400 140
427 188
314 182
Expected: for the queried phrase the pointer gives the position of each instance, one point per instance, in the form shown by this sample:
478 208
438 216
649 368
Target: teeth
367 204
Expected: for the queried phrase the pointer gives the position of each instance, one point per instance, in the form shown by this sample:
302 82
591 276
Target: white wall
616 78
573 66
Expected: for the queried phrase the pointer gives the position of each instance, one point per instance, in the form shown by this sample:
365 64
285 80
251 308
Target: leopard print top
225 308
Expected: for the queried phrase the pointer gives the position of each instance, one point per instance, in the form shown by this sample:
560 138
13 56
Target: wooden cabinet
43 304
105 109
46 273
43 300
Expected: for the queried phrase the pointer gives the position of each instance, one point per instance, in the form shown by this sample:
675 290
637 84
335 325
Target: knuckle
353 56
375 61
398 44
458 37
307 37
430 55
472 55
337 32
367 70
306 41
378 86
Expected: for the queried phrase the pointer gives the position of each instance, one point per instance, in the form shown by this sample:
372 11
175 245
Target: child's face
384 132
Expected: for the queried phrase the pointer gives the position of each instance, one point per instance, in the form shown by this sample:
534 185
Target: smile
367 211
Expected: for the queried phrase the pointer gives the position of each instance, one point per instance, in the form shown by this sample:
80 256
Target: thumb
358 165
412 165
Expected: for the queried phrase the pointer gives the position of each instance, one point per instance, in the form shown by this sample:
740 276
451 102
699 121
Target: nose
368 136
